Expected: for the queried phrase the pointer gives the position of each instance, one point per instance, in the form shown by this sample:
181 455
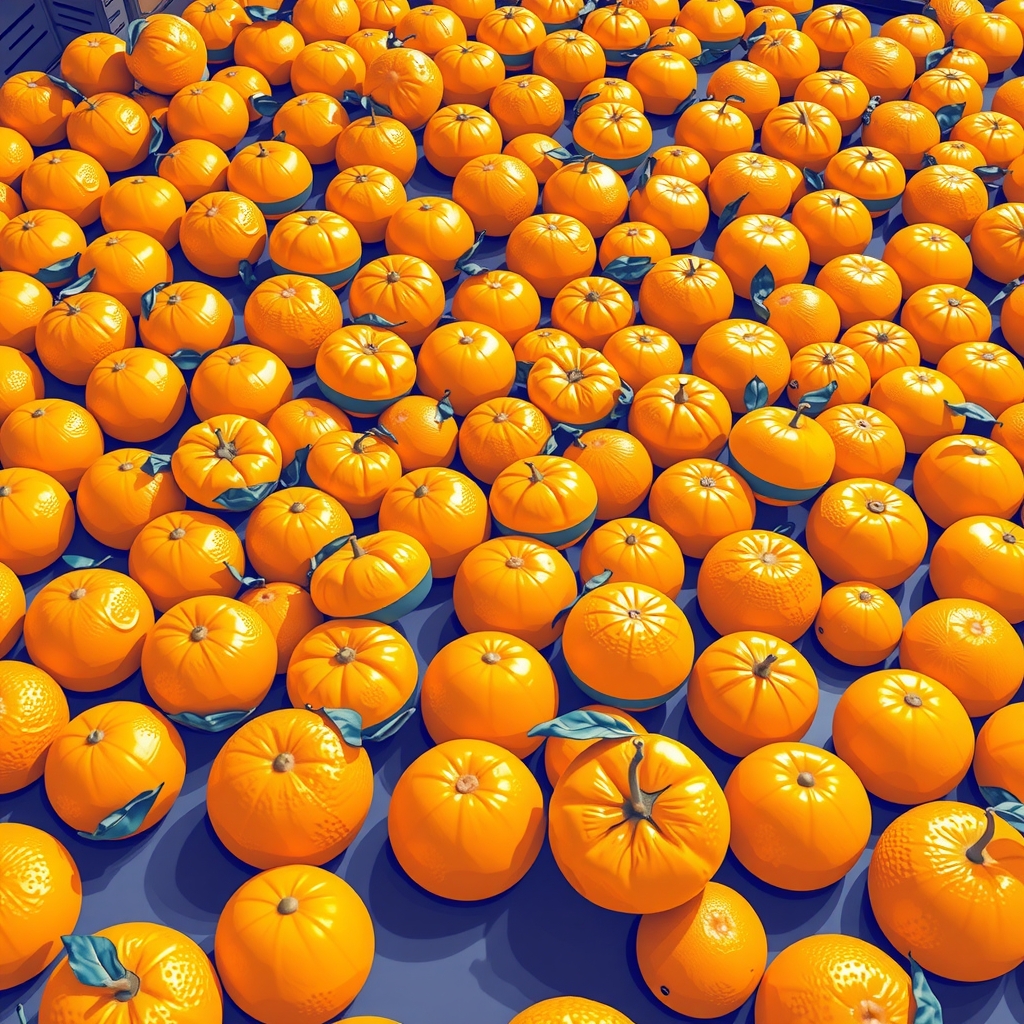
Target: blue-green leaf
730 210
20 1011
156 138
755 394
560 153
125 820
814 180
376 733
247 272
246 581
628 269
382 431
293 474
445 409
93 960
1011 287
61 83
373 108
971 410
928 160
578 106
156 463
84 561
279 137
684 104
818 399
584 725
188 358
218 721
348 722
928 1009
786 529
239 499
148 300
327 550
522 373
644 176
1006 805
78 286
562 435
865 118
948 115
623 402
990 171
933 58
374 320
755 35
761 287
592 584
463 260
264 105
61 267
134 31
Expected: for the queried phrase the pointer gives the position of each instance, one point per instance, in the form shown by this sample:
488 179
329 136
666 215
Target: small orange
35 711
20 380
803 315
867 443
920 402
561 751
194 167
292 315
997 756
858 623
883 345
243 379
834 223
37 519
287 611
863 287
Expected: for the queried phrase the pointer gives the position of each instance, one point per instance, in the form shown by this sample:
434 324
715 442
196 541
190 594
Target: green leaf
327 550
933 58
247 272
819 398
584 725
464 260
578 106
1006 805
157 137
990 171
445 409
20 1011
971 410
592 584
348 722
628 269
865 118
755 394
948 116
156 463
293 474
263 13
373 320
93 960
929 1010
561 154
134 31
730 210
84 561
78 286
814 180
623 402
246 581
373 108
125 821
60 82
376 733
264 105
149 298
240 499
61 267
218 721
762 285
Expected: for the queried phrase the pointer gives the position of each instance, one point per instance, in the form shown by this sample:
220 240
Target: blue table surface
441 962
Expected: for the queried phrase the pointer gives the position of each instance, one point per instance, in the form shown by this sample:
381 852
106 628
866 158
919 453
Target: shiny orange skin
634 551
641 353
287 611
499 432
863 287
569 58
883 345
673 205
884 65
86 628
756 580
501 300
817 366
967 475
873 176
532 148
821 825
466 361
699 502
867 529
35 711
274 174
442 509
31 242
943 316
633 238
758 240
211 110
550 250
497 191
749 689
867 443
116 498
920 873
36 107
269 811
353 663
79 331
54 435
706 957
716 130
182 554
560 752
195 167
757 86
218 22
834 224
995 37
152 205
380 142
997 755
515 585
988 374
592 309
87 776
365 369
490 686
318 244
270 47
169 53
679 416
623 862
366 196
844 95
619 466
915 398
329 66
464 841
470 72
832 975
301 422
788 54
919 34
943 85
544 341
187 315
905 129
978 558
759 183
292 315
858 623
356 468
15 155
923 253
220 230
967 646
288 528
37 519
20 380
1011 321
732 352
408 83
423 435
228 667
244 380
205 467
996 243
664 79
95 62
1009 431
268 960
415 296
12 608
683 162
685 295
68 181
136 394
905 734
127 264
591 192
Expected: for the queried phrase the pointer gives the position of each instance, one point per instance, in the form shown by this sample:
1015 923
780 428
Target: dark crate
72 18
28 41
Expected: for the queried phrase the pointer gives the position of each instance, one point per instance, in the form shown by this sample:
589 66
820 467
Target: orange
922 254
37 519
244 379
195 167
20 380
883 345
988 374
755 84
292 315
997 757
858 623
287 611
942 317
834 224
863 287
867 443
12 608
754 241
25 301
884 65
570 1010
35 710
705 958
